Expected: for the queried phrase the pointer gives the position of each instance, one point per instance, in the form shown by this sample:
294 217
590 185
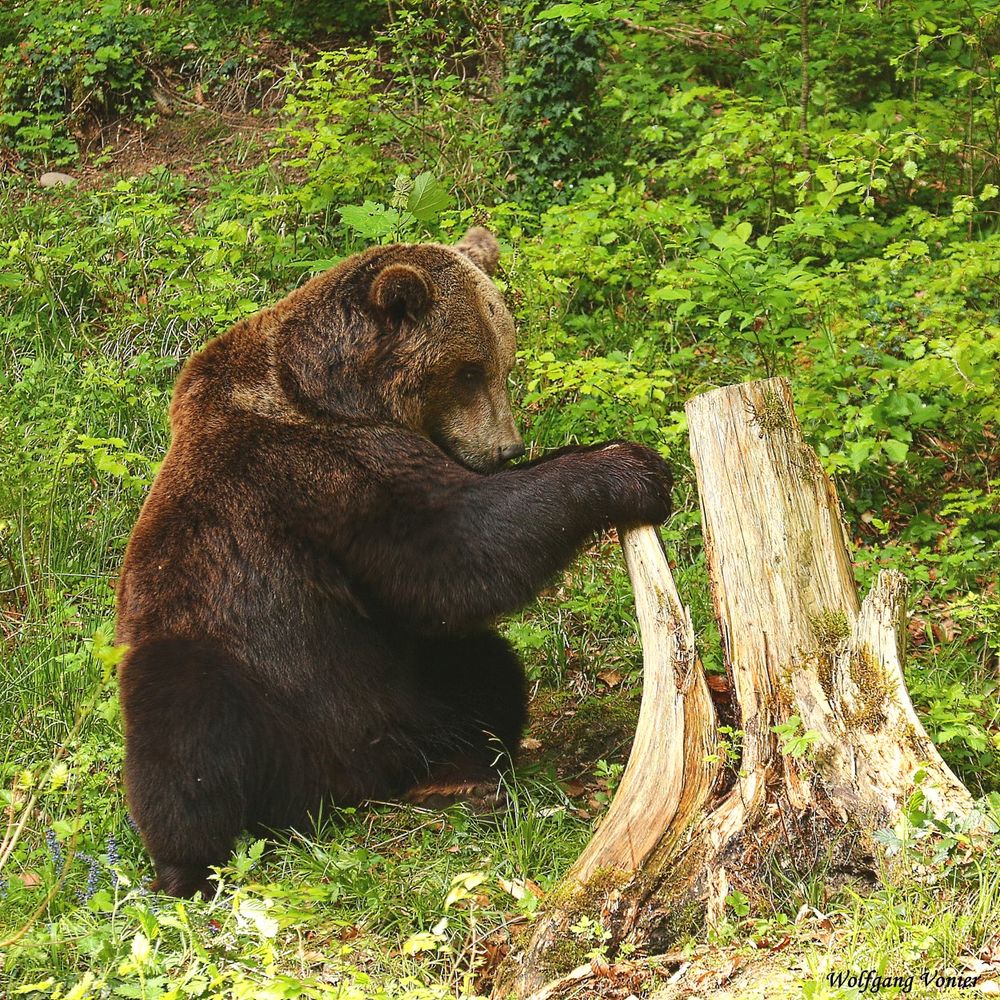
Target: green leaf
896 450
561 11
429 197
105 463
319 264
421 941
42 986
371 220
858 453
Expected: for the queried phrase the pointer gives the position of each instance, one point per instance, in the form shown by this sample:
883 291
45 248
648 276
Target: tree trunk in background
802 654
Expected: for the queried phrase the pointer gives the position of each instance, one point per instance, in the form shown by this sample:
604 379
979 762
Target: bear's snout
508 452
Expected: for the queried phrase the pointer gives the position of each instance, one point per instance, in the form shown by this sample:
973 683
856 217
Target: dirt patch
195 121
584 745
188 144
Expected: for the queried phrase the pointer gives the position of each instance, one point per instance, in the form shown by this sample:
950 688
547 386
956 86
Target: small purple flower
55 851
114 860
93 874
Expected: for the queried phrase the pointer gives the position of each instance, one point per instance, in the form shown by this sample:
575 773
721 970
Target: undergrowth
683 202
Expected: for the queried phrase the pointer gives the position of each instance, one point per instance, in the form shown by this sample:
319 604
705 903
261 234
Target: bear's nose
512 451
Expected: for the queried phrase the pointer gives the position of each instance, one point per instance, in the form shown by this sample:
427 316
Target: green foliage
795 741
64 61
335 128
549 104
68 67
419 200
677 212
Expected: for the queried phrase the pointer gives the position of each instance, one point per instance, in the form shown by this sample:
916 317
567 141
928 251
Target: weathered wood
795 640
798 645
670 768
775 547
870 742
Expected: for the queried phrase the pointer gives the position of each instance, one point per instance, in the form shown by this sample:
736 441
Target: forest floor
176 227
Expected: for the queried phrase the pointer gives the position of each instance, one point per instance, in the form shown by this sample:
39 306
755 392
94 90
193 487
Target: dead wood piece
832 749
670 771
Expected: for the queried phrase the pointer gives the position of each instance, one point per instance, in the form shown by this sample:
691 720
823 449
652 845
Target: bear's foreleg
447 549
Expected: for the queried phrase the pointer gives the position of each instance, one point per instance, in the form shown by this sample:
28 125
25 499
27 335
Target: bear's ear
481 247
402 291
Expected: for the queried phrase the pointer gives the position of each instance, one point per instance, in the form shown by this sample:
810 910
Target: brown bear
307 596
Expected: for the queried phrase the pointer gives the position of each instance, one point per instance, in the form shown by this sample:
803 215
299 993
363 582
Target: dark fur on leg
191 759
480 685
480 680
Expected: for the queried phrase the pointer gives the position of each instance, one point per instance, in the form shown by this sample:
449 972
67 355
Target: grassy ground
205 205
369 881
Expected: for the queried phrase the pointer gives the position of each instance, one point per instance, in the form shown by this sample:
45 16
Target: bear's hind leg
191 758
477 684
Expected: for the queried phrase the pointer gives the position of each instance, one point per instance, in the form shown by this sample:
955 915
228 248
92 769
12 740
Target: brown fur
308 592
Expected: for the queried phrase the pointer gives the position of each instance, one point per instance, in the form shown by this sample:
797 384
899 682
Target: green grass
651 273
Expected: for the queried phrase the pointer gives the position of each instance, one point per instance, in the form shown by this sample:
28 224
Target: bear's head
416 334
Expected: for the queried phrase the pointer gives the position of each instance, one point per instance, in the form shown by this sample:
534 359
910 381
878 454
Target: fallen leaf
782 944
704 978
31 880
600 967
520 887
610 677
494 952
948 628
731 968
991 957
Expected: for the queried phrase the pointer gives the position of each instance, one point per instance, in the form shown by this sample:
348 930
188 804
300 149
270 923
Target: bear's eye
470 374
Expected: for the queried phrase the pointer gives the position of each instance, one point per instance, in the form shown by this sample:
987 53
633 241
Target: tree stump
803 656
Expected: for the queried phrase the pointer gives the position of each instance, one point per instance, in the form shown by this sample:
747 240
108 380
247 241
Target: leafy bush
67 61
549 105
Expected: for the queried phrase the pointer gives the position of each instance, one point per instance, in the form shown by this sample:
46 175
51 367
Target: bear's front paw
640 483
